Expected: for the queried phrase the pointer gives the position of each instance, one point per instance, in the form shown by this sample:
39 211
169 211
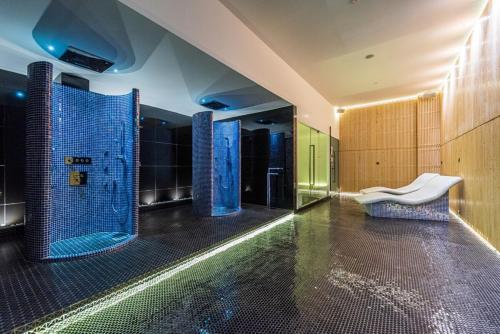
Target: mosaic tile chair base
430 202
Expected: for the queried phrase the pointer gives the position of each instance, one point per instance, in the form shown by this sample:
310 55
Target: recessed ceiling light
19 94
115 70
51 48
370 56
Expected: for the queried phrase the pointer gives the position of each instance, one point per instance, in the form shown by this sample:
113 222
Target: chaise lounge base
433 210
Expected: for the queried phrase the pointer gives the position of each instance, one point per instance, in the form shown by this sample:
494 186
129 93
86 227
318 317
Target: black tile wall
166 164
166 177
147 177
267 142
12 148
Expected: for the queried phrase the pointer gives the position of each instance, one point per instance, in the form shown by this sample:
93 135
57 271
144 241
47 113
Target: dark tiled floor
31 290
330 270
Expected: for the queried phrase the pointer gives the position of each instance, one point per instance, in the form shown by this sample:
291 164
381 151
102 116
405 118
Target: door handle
314 165
310 151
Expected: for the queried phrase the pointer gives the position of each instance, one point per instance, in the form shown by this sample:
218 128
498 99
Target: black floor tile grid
331 270
400 276
31 290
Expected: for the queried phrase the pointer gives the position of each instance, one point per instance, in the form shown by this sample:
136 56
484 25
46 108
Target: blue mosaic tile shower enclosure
216 166
101 213
226 168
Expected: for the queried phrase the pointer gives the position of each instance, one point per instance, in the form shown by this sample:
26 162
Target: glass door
312 165
303 165
320 184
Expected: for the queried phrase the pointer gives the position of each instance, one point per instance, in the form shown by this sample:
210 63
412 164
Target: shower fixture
85 59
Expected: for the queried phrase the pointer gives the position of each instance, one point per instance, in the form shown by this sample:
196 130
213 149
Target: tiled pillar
202 163
136 162
38 160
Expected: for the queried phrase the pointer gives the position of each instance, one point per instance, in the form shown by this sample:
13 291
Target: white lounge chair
429 202
418 183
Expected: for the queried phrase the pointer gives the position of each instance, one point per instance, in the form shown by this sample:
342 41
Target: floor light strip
349 194
63 321
484 241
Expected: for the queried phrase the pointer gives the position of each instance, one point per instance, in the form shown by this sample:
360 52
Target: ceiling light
115 70
375 103
51 48
19 94
370 56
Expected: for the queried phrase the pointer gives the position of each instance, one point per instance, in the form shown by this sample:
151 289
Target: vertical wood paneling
378 145
429 134
470 126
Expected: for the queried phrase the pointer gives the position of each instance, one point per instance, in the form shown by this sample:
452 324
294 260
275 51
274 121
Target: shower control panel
77 178
77 161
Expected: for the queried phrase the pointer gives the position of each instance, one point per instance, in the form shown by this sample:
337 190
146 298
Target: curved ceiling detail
170 73
98 28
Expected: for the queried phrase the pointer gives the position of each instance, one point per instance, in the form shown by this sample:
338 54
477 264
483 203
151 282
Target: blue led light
203 100
115 70
51 48
20 94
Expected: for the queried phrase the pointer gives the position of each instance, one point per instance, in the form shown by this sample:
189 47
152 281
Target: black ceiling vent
215 105
86 60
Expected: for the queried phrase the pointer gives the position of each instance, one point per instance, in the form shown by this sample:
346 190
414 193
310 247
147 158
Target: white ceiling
174 76
415 42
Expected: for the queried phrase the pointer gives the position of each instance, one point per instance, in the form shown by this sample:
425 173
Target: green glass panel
320 186
313 149
303 164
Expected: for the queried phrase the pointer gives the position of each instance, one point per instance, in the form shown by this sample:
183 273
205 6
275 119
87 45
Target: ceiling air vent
215 105
86 60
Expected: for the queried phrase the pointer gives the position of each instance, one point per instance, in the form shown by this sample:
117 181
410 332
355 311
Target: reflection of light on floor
80 313
349 194
486 242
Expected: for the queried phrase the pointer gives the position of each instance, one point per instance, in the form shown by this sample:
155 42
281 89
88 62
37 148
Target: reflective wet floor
331 269
29 291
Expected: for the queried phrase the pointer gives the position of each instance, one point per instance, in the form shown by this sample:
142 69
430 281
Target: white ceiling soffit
173 76
414 42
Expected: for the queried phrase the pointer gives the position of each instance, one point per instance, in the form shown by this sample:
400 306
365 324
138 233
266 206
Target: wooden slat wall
470 127
383 134
429 134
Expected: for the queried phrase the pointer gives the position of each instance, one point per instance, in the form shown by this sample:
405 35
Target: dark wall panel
267 147
12 147
165 158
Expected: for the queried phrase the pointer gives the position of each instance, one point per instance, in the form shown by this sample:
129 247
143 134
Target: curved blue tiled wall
226 168
216 166
102 214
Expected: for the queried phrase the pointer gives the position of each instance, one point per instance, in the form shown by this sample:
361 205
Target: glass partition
312 165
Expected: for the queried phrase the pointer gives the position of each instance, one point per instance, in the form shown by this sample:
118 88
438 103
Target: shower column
216 166
38 160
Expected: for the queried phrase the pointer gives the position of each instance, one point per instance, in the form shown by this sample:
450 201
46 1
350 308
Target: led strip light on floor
479 236
349 194
63 321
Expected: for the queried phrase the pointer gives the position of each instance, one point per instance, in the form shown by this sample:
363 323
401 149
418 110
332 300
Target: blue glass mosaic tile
68 200
216 166
226 168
